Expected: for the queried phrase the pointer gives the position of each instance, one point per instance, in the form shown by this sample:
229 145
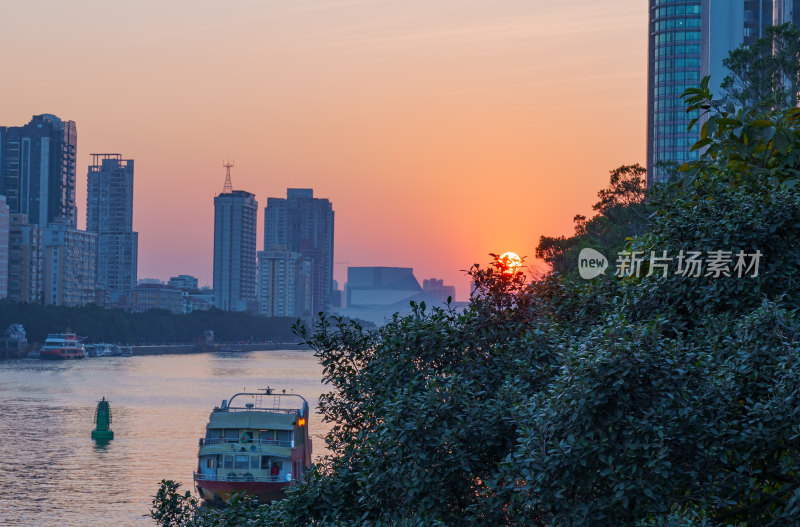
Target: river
52 473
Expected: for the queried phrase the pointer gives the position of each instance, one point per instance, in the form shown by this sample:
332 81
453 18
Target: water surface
52 473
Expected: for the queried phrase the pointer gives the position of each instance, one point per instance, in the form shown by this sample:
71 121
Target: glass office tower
689 39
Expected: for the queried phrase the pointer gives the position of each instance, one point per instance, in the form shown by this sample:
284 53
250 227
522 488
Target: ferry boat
104 349
255 443
62 346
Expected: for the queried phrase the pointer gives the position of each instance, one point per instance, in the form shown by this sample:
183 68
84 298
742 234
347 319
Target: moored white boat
104 349
61 346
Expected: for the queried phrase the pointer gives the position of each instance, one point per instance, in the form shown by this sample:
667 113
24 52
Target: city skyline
441 132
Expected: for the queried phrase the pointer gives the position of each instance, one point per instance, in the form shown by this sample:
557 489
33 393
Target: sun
509 263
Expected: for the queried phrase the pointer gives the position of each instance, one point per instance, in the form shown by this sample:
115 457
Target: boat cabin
254 443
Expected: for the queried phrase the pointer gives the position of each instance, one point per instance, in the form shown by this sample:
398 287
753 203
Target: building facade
37 170
5 231
284 279
109 214
786 11
184 281
235 251
24 260
438 290
68 273
688 40
301 223
158 296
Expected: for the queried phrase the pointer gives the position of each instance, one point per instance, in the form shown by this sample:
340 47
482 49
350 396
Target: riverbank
184 349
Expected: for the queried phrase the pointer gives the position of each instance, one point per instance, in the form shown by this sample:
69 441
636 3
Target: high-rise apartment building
235 214
689 39
37 170
284 279
24 261
109 214
69 257
5 231
303 224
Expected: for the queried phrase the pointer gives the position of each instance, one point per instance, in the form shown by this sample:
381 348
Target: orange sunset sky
441 130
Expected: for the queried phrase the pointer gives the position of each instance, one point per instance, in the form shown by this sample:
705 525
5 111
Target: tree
766 71
636 401
622 212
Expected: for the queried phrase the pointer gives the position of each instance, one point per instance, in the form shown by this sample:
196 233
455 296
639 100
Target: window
241 462
254 462
210 462
232 434
213 433
228 462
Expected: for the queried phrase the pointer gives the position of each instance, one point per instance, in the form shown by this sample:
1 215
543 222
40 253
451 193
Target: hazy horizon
440 133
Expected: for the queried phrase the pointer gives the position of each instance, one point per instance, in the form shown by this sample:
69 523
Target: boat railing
253 442
259 409
246 476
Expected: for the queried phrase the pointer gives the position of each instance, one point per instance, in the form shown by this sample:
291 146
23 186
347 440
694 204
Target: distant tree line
155 326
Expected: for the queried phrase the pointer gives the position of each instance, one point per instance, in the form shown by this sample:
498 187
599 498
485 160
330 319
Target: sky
441 131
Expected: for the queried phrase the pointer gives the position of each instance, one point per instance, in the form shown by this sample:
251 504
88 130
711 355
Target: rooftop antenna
228 187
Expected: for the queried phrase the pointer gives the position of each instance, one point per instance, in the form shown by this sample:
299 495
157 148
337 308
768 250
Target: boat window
210 462
266 435
283 435
254 461
231 434
213 433
264 463
228 460
241 462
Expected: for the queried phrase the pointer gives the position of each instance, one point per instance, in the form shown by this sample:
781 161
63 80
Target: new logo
591 263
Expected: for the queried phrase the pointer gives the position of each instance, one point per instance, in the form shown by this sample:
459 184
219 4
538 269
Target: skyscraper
688 39
69 257
109 214
37 170
5 230
235 214
284 279
303 224
24 261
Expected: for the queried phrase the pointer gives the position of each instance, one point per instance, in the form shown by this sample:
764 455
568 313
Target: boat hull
60 355
221 491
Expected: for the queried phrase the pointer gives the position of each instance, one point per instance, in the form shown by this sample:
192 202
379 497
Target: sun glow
509 262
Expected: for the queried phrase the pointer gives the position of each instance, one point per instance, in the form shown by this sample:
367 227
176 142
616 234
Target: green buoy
102 419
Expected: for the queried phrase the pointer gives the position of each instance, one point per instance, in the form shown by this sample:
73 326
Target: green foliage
645 401
752 143
172 508
622 212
